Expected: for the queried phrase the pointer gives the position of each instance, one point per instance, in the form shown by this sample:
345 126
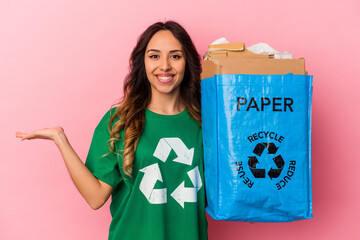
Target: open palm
45 133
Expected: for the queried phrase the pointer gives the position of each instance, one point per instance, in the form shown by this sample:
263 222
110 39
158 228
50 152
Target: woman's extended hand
45 133
95 191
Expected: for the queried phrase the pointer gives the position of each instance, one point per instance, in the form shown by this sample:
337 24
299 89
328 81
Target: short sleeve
106 167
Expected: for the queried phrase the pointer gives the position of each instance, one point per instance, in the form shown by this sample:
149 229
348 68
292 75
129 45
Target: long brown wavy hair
130 113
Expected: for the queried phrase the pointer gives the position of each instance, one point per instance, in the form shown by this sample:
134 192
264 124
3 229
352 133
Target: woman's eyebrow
155 50
176 51
172 51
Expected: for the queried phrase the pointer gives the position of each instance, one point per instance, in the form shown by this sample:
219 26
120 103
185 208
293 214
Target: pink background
63 63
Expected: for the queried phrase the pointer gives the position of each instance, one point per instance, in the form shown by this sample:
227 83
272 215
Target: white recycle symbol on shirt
152 174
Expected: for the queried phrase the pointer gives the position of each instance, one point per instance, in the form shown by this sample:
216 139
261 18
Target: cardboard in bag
234 58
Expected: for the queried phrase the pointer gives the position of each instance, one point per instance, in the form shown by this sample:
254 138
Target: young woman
147 152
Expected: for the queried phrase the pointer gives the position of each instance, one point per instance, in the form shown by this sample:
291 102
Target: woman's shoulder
107 116
114 110
110 113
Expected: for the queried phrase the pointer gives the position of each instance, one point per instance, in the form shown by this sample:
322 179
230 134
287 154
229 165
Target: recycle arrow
163 149
257 172
274 173
151 175
183 194
259 148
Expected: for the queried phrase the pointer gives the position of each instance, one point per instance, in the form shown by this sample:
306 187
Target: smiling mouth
165 78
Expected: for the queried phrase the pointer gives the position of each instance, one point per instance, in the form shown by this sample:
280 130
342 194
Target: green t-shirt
165 198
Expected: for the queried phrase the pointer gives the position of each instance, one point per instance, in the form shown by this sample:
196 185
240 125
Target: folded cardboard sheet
234 58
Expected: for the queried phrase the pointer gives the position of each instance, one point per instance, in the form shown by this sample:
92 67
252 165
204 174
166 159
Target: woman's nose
165 64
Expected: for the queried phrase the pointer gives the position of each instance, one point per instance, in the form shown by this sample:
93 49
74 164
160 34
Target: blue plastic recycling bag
257 147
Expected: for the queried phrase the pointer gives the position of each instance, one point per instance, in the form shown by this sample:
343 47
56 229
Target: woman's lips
165 78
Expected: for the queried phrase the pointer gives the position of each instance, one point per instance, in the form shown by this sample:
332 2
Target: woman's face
164 63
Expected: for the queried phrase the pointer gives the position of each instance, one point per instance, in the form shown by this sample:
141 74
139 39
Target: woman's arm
94 191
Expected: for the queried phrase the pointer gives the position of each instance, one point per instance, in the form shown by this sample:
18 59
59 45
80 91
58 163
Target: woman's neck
166 104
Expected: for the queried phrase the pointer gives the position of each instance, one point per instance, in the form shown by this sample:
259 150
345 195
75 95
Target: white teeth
164 78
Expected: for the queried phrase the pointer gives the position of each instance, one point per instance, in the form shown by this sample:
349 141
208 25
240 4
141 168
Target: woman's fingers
19 135
25 136
22 135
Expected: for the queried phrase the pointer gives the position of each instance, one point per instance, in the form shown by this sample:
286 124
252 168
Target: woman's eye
176 56
154 56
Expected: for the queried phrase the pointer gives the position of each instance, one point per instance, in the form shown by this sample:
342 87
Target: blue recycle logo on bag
257 147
